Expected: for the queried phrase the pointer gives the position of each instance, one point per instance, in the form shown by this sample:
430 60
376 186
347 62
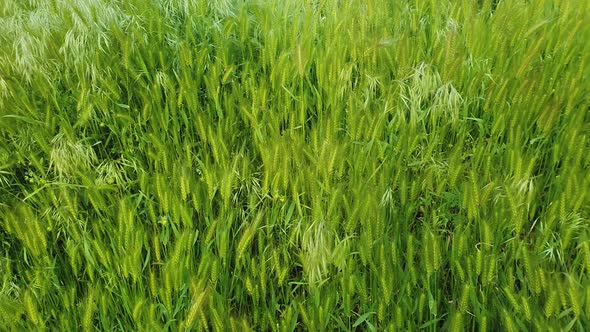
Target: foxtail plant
294 165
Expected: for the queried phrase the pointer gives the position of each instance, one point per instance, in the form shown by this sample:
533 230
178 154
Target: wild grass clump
294 165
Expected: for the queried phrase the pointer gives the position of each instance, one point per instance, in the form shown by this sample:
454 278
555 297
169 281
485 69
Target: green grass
287 165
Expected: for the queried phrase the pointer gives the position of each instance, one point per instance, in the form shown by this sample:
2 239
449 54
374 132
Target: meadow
290 165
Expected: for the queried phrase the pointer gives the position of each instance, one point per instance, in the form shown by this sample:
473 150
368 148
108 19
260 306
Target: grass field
285 165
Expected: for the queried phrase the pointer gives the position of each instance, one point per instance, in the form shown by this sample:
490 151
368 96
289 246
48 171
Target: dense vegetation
294 165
